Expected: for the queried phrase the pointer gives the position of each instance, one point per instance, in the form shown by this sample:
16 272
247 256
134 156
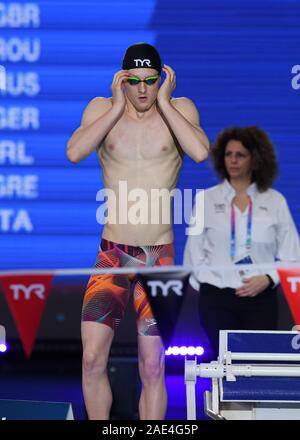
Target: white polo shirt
273 235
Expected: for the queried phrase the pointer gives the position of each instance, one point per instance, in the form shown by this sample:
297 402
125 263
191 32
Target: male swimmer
140 134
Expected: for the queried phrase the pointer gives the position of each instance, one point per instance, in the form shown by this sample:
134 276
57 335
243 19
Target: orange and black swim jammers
107 295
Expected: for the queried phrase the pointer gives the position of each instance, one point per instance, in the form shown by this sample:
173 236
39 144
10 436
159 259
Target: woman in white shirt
245 221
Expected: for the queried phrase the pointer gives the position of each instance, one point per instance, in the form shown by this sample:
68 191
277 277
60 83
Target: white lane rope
148 269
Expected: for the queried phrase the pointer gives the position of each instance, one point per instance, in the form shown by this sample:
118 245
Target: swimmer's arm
98 119
183 118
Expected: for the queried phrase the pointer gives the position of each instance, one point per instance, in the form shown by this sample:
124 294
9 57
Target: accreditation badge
246 272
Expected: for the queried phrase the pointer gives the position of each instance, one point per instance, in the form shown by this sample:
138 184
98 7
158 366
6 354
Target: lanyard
249 229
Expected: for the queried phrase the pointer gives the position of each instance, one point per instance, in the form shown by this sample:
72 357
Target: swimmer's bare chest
140 139
141 155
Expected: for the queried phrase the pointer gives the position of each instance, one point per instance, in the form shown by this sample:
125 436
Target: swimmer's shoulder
96 108
182 102
101 101
187 108
99 104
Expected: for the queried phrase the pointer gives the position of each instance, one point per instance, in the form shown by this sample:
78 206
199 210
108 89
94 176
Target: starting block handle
191 400
190 374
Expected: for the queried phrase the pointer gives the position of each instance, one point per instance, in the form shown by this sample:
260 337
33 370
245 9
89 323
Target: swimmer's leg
153 400
96 340
104 306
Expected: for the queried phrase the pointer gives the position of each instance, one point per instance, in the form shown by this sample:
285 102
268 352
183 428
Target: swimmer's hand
117 86
168 86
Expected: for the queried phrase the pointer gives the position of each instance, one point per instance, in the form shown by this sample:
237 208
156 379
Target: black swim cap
141 55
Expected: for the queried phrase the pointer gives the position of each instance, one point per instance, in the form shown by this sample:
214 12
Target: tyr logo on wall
290 281
33 289
157 286
26 297
165 292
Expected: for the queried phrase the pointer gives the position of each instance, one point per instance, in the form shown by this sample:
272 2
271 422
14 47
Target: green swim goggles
150 80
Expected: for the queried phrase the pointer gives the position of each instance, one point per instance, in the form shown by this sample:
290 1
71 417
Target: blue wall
233 58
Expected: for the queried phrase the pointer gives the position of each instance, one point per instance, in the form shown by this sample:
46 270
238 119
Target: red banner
290 282
26 297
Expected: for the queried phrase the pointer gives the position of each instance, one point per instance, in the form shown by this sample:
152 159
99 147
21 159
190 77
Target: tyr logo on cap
141 55
140 63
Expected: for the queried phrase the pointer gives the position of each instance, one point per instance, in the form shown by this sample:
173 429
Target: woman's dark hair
257 142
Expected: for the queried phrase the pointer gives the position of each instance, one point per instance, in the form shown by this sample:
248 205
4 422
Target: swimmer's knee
151 369
93 362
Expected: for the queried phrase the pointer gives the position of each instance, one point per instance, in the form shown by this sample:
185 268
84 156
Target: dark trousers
221 309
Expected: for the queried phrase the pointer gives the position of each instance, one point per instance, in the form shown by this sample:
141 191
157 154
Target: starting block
256 377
